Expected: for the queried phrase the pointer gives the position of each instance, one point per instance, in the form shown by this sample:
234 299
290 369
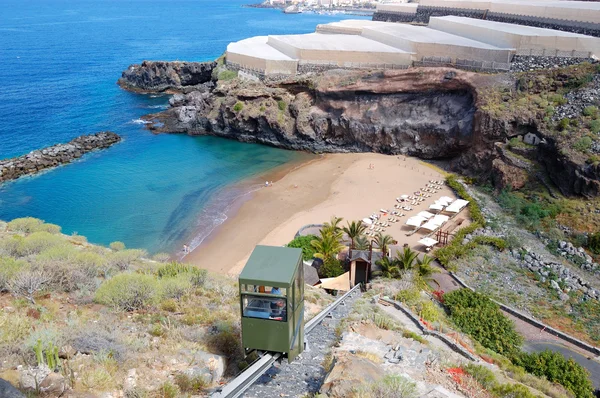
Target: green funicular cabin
272 301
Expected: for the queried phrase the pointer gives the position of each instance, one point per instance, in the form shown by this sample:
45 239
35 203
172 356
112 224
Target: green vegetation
583 144
238 106
389 386
303 242
327 246
281 104
478 316
474 210
117 246
528 212
129 292
226 75
591 111
556 368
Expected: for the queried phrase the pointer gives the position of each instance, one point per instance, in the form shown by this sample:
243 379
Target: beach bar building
272 301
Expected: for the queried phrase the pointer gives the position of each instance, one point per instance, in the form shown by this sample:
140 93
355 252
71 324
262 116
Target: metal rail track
248 377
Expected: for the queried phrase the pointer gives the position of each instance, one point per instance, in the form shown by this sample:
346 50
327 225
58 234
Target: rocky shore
431 113
41 159
168 77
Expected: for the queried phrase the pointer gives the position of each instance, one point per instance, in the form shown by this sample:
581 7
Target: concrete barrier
440 336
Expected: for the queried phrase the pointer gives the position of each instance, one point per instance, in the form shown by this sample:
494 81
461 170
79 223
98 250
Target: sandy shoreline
335 184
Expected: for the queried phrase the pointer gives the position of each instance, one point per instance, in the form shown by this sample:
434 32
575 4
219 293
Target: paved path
535 339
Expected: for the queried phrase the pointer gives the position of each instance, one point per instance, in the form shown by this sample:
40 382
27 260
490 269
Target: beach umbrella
367 221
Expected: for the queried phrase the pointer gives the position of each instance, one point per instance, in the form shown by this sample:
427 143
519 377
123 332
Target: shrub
227 75
583 144
69 278
189 384
498 243
590 111
129 292
238 106
198 277
392 385
9 267
593 243
13 328
429 311
28 282
168 390
456 249
474 209
98 342
123 259
483 375
409 297
225 339
161 257
303 242
25 225
556 368
478 316
512 391
38 242
117 246
281 105
79 239
173 269
595 126
563 124
331 268
175 288
169 305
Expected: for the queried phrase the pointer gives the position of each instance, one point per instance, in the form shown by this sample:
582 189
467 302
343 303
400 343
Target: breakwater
52 156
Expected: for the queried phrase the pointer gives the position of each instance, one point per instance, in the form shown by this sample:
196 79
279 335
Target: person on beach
186 249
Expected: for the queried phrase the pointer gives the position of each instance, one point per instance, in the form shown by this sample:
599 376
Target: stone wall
393 17
41 159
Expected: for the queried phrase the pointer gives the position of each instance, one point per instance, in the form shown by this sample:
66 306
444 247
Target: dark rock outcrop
36 161
8 391
396 112
171 77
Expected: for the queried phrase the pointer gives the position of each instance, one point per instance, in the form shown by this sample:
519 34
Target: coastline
334 184
227 203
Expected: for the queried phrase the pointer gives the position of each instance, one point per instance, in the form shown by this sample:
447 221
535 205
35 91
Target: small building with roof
362 264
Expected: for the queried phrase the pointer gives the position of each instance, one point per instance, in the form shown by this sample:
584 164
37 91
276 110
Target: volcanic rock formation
36 161
162 76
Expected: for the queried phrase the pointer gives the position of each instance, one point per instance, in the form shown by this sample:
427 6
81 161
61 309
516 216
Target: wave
165 106
140 121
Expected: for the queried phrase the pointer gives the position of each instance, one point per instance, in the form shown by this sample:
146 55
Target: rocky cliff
426 113
36 161
162 76
432 113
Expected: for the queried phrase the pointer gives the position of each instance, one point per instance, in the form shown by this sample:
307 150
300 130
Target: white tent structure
426 42
435 222
523 39
428 242
415 221
341 50
457 206
425 214
437 206
255 54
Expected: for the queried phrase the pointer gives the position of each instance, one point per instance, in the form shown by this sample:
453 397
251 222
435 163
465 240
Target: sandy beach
336 184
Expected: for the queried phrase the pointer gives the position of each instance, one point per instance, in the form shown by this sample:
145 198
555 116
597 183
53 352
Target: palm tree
354 229
383 241
424 267
361 243
333 226
389 267
327 246
407 258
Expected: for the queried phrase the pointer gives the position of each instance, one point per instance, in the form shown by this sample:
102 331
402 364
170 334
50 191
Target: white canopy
445 200
428 242
425 214
436 206
341 282
457 206
367 221
415 221
439 219
430 226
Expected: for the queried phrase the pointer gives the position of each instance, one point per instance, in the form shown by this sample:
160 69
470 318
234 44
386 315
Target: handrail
241 383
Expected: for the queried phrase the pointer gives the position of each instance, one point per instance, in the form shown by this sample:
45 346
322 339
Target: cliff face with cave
432 113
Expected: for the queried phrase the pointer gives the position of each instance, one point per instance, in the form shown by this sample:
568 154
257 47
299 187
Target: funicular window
280 291
264 307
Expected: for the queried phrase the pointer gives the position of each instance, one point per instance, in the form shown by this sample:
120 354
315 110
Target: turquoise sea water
59 61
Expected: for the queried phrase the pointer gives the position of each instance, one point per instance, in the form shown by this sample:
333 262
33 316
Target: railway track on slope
302 376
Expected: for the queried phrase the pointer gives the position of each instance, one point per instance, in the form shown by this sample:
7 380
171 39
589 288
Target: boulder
54 384
349 373
7 390
209 366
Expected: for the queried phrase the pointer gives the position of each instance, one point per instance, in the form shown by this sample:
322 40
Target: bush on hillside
177 287
227 75
70 277
474 210
117 246
593 243
129 292
25 225
161 257
173 269
303 242
478 316
123 259
512 391
38 242
556 368
9 267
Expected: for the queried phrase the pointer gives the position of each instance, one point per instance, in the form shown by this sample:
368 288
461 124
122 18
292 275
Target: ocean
59 61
